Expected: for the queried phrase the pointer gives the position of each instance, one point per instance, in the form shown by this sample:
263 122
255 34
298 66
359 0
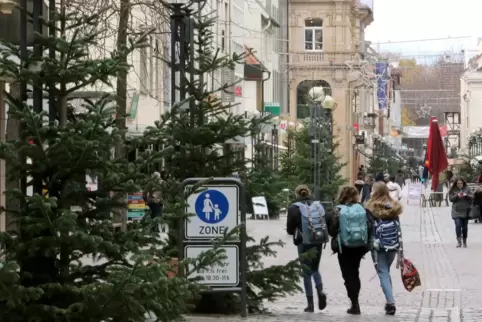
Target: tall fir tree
296 165
64 261
384 161
204 125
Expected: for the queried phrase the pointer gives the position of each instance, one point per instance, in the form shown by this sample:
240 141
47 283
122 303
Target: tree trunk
121 89
13 134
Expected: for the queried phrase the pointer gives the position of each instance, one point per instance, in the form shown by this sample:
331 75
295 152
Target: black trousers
349 261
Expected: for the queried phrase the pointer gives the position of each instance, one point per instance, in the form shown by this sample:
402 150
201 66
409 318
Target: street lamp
320 111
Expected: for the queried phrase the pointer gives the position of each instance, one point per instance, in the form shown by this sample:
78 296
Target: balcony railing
366 3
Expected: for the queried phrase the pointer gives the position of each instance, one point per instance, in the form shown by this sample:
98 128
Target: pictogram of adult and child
211 206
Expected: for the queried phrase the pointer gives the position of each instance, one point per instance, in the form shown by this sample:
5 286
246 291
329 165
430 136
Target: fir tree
385 160
65 261
263 180
203 130
296 167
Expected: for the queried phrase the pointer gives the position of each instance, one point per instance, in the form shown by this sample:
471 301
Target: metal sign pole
218 207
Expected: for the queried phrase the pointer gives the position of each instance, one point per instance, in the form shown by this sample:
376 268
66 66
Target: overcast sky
401 20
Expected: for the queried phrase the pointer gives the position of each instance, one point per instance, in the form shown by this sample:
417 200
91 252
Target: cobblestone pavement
451 284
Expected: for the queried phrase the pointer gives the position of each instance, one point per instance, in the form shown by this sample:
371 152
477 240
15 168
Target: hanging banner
381 72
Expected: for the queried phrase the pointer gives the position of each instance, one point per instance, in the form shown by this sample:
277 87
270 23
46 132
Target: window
314 34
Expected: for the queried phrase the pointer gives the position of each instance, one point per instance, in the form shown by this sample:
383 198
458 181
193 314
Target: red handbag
410 275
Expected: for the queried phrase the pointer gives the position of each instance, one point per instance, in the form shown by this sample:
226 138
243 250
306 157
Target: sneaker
390 309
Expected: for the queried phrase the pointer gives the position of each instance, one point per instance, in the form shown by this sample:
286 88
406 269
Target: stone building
326 48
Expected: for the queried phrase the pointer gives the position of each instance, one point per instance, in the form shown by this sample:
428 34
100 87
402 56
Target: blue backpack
353 226
314 230
386 234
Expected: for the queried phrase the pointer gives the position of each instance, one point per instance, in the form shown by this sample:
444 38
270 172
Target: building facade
471 105
327 48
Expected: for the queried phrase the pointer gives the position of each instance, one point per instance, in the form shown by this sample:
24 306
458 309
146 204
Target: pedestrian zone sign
216 212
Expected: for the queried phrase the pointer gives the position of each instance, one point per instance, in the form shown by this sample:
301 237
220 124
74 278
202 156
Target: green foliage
296 166
264 181
384 161
203 135
469 169
65 261
265 283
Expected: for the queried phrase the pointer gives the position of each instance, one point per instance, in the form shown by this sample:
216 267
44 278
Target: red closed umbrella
436 158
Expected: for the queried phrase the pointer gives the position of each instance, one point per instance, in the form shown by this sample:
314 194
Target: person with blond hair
350 229
306 223
384 213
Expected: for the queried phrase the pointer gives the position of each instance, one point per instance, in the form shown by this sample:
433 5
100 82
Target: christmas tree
297 166
207 132
384 161
63 260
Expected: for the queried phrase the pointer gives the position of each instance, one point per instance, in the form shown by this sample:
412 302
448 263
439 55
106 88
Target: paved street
451 286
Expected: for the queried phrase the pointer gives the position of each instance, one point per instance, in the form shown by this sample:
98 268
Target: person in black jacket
294 228
367 188
349 259
478 202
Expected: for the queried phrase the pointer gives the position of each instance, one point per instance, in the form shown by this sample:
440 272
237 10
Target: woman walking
298 227
461 198
384 213
350 253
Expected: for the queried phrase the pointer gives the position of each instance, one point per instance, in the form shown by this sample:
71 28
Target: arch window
314 34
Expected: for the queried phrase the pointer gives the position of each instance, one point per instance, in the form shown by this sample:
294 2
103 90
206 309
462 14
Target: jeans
349 261
312 268
385 260
461 227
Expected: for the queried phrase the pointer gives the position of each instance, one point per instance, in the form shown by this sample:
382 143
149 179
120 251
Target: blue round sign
211 206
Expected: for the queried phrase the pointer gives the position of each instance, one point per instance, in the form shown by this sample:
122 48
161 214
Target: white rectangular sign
414 192
225 274
260 206
216 211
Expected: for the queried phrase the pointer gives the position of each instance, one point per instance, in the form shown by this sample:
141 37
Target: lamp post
320 113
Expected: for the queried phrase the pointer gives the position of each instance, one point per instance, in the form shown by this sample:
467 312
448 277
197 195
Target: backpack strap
400 242
308 214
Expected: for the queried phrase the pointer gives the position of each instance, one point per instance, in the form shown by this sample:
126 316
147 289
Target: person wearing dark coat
367 188
380 177
359 183
294 228
461 197
478 201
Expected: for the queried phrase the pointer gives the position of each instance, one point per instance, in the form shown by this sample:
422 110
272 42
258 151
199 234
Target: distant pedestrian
367 188
400 178
359 183
350 229
384 213
380 177
461 198
153 197
306 223
449 175
394 189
